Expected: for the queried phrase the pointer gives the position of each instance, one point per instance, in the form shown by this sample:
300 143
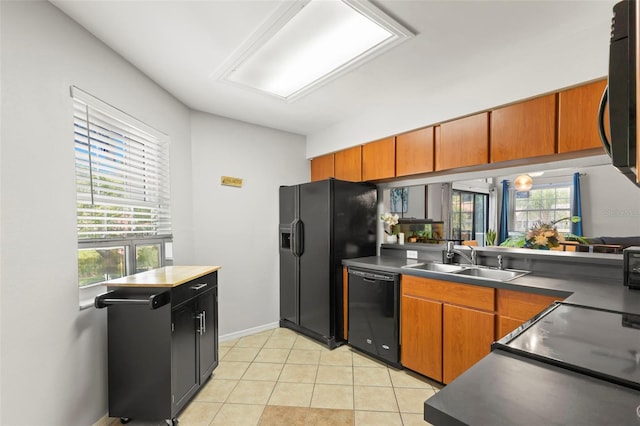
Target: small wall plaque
231 181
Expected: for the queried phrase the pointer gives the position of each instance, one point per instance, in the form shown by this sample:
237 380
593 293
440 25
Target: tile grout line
302 341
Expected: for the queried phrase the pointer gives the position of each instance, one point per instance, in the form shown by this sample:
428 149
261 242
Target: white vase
392 239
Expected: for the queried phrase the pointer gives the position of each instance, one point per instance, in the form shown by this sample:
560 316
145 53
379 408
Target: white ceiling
181 45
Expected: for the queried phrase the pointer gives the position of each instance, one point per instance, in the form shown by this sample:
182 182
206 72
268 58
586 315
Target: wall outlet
412 254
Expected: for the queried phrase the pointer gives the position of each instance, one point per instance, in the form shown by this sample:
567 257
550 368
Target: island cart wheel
173 422
124 420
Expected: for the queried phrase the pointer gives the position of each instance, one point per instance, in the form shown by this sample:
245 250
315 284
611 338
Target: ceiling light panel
304 50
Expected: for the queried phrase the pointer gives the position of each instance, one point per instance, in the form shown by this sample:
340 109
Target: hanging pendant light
523 182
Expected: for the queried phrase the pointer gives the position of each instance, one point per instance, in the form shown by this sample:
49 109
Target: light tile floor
278 377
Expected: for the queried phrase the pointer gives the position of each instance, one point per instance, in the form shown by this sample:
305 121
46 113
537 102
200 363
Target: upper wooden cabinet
463 142
578 117
379 159
348 164
522 130
558 123
322 167
414 152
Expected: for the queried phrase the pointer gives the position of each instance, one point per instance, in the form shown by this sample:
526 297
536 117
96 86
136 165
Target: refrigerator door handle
297 237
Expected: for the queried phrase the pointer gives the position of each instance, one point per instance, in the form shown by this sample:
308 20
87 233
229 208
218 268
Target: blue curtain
576 208
503 232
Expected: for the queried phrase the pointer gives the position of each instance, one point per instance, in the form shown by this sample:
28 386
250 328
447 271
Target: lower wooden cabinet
421 340
446 327
440 337
516 307
505 325
468 334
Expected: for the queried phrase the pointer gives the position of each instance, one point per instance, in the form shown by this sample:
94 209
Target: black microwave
621 91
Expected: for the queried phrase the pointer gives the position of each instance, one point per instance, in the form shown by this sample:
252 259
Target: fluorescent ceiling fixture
309 43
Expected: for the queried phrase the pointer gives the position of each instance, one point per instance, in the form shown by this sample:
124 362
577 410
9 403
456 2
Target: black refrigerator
321 223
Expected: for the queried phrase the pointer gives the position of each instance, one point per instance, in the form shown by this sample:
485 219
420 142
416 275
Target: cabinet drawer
193 288
460 294
522 306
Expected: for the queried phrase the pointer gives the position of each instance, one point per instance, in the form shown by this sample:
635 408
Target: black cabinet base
159 358
331 342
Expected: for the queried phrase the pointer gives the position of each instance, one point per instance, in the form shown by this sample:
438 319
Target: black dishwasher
374 306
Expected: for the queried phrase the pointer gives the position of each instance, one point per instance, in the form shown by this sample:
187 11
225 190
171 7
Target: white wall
237 228
610 203
53 355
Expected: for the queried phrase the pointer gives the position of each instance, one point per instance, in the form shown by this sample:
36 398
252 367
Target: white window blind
122 173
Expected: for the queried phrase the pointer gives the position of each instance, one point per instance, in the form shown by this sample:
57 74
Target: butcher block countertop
168 276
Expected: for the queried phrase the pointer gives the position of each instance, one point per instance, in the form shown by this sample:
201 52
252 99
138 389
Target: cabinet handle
204 322
198 286
199 316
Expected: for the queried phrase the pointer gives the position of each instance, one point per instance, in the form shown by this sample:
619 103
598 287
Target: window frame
538 187
130 246
118 130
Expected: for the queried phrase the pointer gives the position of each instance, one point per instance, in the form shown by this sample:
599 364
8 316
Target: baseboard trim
248 331
104 421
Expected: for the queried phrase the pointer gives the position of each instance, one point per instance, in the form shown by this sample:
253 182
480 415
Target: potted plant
491 237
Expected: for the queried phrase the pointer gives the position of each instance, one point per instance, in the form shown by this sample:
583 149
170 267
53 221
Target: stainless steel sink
436 267
492 274
474 271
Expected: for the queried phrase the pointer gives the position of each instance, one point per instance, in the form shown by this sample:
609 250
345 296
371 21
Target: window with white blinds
122 173
122 186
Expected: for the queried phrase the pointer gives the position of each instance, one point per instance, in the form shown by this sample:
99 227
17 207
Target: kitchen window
122 187
545 203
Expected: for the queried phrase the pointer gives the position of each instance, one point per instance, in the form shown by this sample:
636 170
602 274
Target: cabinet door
463 142
523 130
379 159
207 329
467 338
506 325
183 355
577 117
348 164
414 152
421 336
322 167
522 305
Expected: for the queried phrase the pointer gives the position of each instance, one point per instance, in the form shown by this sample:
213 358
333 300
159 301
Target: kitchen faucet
451 251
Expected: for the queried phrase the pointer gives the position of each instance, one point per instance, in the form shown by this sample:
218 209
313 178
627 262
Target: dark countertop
593 292
509 389
506 389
